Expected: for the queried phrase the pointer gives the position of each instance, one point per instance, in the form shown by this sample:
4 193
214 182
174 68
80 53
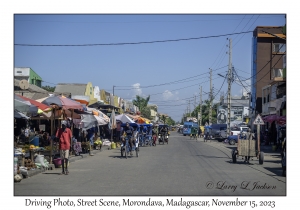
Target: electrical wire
244 34
266 63
169 83
129 43
122 22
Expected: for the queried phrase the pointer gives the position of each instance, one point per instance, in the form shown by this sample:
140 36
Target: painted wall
89 91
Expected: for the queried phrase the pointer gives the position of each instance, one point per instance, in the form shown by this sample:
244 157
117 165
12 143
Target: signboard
258 120
222 115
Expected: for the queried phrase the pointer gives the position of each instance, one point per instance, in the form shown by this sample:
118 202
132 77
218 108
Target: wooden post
51 142
71 143
258 139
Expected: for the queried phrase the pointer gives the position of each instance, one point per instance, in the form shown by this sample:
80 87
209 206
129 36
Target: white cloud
167 95
137 90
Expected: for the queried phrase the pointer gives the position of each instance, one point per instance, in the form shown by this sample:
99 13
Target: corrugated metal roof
30 88
73 88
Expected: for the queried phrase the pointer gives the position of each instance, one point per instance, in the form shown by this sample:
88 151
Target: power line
122 22
248 29
128 43
174 82
266 63
240 80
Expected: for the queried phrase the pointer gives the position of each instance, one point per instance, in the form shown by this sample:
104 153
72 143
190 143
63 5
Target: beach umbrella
62 102
25 106
20 115
112 121
40 106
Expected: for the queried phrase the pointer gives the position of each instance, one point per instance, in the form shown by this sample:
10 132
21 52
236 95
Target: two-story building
26 73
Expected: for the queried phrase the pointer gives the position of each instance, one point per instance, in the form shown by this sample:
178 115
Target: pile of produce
29 164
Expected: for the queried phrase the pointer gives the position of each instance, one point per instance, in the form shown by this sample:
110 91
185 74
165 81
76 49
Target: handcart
247 148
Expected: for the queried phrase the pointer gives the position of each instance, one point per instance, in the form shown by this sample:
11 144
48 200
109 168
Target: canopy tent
124 118
88 121
100 114
281 120
100 120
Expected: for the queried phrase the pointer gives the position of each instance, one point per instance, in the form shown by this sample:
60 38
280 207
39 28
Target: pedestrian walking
64 135
199 132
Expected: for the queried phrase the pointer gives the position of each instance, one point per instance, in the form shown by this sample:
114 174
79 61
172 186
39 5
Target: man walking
65 135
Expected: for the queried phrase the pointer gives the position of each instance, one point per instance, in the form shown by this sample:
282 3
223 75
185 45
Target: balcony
272 107
277 75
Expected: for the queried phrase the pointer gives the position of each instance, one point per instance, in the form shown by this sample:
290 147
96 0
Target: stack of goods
98 143
85 146
29 164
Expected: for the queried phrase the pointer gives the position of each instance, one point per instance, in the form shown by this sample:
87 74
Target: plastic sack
40 159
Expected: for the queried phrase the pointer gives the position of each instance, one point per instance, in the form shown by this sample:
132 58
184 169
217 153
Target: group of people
132 133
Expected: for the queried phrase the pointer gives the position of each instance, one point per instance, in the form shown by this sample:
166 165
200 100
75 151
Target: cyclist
128 130
163 131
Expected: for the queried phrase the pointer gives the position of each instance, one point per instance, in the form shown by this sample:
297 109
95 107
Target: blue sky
144 69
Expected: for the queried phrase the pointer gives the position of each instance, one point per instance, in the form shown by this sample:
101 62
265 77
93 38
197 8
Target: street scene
183 167
150 105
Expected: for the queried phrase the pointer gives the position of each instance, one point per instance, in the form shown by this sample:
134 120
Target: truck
187 127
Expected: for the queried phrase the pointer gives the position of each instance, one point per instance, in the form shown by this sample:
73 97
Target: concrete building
268 70
153 110
76 90
29 75
33 92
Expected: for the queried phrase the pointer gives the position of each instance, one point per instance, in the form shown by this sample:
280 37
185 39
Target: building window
279 48
19 71
276 72
281 91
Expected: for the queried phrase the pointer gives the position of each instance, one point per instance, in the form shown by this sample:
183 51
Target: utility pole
229 90
210 99
200 106
194 102
189 108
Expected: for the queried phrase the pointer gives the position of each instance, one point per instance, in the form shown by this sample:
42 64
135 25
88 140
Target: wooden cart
247 148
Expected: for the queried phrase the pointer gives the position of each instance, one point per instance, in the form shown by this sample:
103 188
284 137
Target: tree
48 88
170 121
205 112
146 112
142 103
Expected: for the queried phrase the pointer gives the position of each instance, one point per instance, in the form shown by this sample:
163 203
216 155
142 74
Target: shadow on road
240 162
211 156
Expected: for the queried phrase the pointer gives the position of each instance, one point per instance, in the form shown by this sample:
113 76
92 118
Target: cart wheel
233 156
232 142
261 158
125 151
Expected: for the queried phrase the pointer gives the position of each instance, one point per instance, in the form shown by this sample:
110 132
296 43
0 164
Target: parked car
218 131
233 139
